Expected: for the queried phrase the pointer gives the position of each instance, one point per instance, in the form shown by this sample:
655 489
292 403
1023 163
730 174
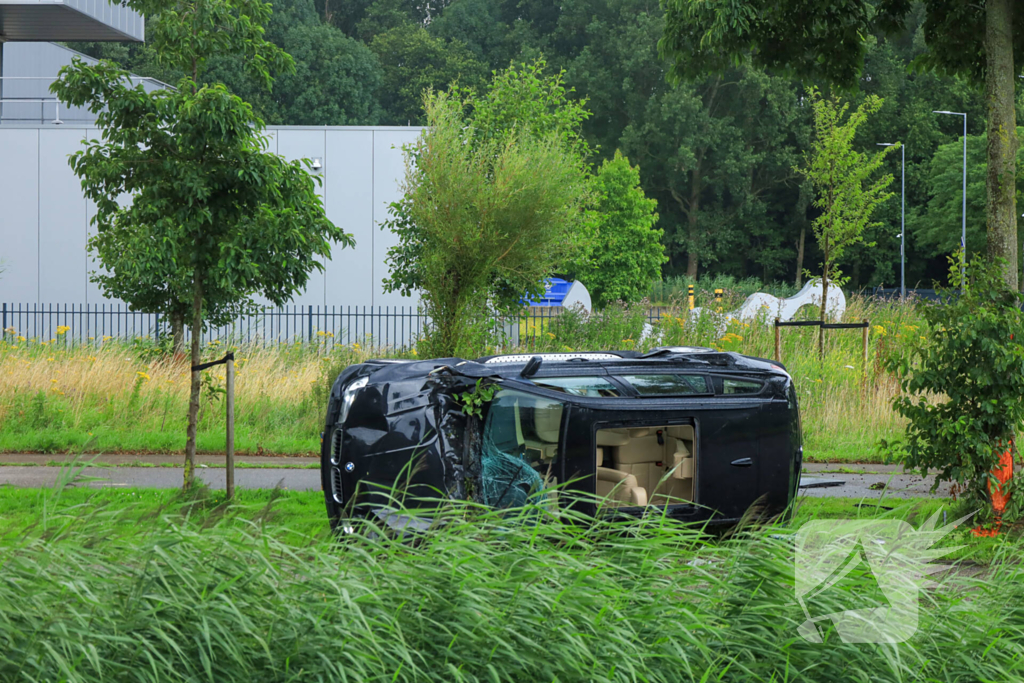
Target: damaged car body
696 434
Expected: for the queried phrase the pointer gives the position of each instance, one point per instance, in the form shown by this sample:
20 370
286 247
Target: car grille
336 446
339 496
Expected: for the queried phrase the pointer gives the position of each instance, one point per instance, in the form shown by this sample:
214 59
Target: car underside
695 434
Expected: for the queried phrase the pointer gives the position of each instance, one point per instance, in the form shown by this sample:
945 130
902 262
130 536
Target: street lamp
963 236
903 217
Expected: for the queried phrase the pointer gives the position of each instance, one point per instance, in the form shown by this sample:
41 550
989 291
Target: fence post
5 316
689 295
718 300
310 324
778 341
229 385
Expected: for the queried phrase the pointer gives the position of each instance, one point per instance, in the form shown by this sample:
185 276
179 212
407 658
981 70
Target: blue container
555 291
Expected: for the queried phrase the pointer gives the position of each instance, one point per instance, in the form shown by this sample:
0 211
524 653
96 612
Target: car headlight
349 395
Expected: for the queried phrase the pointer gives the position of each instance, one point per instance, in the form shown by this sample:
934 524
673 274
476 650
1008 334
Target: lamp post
903 217
963 235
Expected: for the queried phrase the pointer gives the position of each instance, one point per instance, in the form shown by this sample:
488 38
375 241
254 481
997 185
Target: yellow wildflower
321 333
50 358
143 376
63 329
879 330
10 330
21 339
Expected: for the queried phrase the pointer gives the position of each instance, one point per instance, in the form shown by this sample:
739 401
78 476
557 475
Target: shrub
972 361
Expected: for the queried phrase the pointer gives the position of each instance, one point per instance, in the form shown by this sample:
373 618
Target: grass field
116 397
150 586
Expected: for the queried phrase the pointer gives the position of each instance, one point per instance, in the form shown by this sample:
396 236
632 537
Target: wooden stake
865 331
778 341
230 427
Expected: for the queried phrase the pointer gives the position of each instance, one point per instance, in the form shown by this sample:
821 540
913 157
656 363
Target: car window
740 386
668 385
579 386
520 446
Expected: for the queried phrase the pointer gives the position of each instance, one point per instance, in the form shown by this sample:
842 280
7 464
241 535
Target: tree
841 176
213 217
961 388
412 61
938 227
628 252
824 39
483 221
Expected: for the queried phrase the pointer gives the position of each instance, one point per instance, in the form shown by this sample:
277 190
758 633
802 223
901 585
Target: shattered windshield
520 447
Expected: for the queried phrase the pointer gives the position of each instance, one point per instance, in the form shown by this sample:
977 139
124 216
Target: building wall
44 216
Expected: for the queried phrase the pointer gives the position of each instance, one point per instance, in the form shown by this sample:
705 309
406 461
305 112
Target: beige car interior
633 468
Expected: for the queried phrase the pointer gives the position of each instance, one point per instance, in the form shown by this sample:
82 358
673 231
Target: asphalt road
869 481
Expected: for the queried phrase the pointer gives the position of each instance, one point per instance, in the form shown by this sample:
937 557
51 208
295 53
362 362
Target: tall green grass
482 596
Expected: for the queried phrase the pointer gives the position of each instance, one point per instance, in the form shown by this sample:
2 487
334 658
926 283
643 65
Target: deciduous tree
484 220
847 194
213 218
825 39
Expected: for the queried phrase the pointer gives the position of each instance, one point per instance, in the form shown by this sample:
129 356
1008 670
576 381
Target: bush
963 385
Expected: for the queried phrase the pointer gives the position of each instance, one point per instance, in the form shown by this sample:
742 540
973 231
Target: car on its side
697 434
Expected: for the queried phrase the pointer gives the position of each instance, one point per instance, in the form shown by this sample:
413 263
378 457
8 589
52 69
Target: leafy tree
841 176
483 221
962 385
628 252
938 227
413 61
213 218
825 39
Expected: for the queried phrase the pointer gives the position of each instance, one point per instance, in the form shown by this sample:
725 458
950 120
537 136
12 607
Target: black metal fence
395 327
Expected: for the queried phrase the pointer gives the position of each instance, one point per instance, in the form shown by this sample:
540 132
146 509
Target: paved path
862 481
164 477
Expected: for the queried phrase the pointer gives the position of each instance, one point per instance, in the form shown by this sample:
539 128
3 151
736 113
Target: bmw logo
349 466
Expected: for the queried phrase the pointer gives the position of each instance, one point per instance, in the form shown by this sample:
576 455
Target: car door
728 456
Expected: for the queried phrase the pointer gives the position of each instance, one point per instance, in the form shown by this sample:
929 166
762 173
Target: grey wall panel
41 203
62 220
19 215
348 181
305 144
388 171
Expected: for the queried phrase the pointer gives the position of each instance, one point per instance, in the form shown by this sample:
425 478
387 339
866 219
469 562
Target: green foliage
227 216
963 383
413 61
937 228
485 216
823 39
628 253
847 195
473 402
186 34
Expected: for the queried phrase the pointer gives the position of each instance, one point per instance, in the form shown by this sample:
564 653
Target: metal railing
14 100
377 327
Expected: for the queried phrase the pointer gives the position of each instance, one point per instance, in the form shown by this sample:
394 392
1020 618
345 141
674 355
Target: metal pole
903 224
963 232
230 427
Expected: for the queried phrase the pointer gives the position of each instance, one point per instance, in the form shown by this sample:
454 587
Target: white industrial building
45 218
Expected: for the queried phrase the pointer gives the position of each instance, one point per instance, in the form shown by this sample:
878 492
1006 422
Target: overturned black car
698 434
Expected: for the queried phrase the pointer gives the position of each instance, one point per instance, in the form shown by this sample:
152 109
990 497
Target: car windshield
668 385
579 386
520 444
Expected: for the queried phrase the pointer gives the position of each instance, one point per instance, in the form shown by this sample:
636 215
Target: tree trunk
1002 136
178 334
800 256
691 218
193 403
